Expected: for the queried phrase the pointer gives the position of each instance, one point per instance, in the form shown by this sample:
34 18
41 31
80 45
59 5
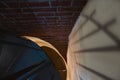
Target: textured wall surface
94 43
50 20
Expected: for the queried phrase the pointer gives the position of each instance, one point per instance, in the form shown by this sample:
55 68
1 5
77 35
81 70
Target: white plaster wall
105 61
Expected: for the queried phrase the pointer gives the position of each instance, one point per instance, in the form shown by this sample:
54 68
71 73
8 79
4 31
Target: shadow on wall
94 43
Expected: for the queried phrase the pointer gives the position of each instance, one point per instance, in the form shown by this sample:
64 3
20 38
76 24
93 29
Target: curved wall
94 43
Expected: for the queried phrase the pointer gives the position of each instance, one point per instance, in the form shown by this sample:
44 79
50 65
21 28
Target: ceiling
50 20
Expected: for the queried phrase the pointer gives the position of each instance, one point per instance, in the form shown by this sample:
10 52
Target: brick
2 5
69 9
64 20
23 18
29 18
30 24
40 18
27 15
45 14
29 21
40 10
20 25
27 4
17 4
20 15
80 3
1 17
38 4
60 3
76 13
51 23
69 17
51 18
64 14
10 10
